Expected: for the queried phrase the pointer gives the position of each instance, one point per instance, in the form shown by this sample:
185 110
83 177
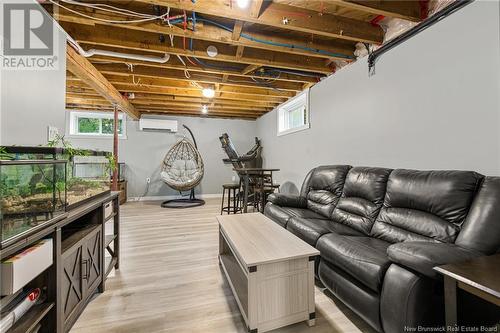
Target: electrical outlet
148 180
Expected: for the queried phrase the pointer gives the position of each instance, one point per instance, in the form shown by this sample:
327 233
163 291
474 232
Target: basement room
231 166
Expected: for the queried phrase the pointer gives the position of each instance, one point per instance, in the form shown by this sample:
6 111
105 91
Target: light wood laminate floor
170 280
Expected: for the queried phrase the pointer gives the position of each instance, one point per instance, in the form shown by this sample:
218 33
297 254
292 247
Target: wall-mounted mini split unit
157 124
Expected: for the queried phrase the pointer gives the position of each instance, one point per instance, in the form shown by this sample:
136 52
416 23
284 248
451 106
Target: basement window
293 115
95 124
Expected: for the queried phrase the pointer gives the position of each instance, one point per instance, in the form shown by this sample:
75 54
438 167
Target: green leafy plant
112 164
68 147
4 155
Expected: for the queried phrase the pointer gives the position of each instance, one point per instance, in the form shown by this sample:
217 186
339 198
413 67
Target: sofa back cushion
425 205
323 187
362 198
481 229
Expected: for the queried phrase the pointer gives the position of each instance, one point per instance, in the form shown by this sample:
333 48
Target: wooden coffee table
480 277
270 271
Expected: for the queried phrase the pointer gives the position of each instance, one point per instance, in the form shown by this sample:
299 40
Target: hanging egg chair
183 170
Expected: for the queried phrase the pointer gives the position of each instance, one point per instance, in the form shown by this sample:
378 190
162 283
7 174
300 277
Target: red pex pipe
376 20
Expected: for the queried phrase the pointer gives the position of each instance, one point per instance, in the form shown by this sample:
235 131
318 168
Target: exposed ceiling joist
141 71
285 17
249 68
212 33
406 9
179 100
132 88
238 27
182 84
149 42
170 65
255 8
83 69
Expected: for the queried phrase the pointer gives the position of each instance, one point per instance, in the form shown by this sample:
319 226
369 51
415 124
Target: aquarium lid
48 150
30 162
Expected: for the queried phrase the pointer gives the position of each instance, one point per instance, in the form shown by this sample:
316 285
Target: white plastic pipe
93 52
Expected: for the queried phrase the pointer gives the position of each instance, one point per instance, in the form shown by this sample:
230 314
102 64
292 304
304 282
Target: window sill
293 130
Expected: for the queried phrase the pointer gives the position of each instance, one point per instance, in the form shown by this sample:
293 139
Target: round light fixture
204 109
212 51
243 3
208 92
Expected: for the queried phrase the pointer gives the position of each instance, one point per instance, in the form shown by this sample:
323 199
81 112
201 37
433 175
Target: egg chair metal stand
183 170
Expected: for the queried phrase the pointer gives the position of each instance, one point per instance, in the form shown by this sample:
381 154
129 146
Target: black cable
445 12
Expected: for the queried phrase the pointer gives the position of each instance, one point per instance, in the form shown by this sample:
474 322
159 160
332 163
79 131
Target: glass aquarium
32 193
88 171
120 168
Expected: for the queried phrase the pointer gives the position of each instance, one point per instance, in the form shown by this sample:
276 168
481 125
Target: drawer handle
85 270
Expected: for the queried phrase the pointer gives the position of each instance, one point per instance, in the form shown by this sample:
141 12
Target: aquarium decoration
32 193
87 171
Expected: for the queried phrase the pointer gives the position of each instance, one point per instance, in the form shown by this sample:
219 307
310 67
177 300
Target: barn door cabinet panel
82 270
78 270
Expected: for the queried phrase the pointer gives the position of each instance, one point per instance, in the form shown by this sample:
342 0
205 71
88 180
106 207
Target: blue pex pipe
263 41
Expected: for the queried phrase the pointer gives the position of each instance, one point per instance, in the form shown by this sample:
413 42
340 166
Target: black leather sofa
380 232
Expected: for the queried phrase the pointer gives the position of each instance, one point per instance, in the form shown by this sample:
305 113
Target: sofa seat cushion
310 230
424 256
281 215
364 258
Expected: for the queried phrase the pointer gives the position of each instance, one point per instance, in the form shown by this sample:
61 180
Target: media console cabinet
79 267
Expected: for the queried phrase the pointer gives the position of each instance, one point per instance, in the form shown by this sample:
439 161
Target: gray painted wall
143 152
31 101
433 104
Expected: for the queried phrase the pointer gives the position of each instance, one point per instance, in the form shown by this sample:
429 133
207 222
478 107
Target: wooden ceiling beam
138 102
79 93
255 8
90 104
83 69
148 42
128 88
141 71
406 10
96 60
238 27
177 84
275 42
285 17
239 52
249 68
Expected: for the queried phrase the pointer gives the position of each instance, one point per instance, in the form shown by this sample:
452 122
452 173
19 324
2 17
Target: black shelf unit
79 245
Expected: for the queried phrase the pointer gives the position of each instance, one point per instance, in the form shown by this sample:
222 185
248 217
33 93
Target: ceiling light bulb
208 92
243 3
204 109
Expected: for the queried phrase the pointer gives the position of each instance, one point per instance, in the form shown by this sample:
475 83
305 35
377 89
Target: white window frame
72 124
301 100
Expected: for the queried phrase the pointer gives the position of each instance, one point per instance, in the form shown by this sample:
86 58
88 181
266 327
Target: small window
94 124
293 115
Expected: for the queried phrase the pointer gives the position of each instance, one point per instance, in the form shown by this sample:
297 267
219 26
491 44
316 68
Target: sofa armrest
424 256
287 200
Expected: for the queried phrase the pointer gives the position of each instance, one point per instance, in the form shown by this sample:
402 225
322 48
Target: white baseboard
170 197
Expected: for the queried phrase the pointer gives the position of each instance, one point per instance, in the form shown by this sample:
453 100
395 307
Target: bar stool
236 207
